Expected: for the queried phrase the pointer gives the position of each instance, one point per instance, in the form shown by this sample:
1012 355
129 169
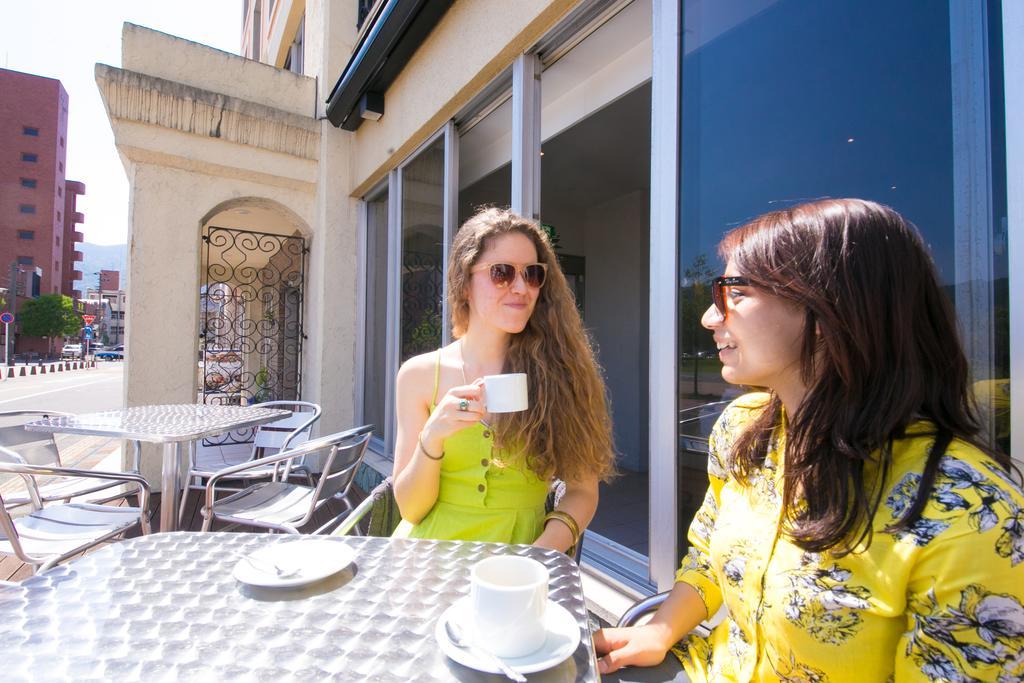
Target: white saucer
562 641
314 559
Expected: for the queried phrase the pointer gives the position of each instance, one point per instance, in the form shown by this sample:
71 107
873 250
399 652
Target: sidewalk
28 369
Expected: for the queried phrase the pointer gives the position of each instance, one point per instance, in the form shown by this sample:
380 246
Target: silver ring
463 405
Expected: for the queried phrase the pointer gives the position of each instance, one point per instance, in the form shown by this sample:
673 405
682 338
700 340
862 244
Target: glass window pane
422 251
485 162
375 351
595 202
791 100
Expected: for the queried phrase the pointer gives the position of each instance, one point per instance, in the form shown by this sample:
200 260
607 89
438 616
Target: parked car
116 353
71 351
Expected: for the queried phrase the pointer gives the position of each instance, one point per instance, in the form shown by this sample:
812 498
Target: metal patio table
171 425
165 607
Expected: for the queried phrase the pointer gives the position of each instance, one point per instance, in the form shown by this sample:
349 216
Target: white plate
562 641
314 559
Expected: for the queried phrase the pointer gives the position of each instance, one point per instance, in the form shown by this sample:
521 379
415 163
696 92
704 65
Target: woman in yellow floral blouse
856 528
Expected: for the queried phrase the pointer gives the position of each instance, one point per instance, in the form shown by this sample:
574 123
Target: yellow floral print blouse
941 601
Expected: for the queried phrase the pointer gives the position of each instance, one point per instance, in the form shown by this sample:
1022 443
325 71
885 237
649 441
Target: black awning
398 29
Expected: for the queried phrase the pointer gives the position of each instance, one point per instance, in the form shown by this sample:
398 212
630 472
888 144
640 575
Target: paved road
71 391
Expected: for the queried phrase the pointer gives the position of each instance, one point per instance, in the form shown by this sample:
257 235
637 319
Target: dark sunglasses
504 274
718 292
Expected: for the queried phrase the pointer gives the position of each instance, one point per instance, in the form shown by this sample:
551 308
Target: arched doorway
251 293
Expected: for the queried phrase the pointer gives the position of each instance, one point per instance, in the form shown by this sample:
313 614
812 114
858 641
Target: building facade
38 214
110 280
108 305
639 131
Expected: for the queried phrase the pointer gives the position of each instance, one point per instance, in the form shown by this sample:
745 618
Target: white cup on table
505 393
508 596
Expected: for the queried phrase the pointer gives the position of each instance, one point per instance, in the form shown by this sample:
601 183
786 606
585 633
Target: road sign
6 318
87 333
87 319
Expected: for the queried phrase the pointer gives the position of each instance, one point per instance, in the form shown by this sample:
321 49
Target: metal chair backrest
287 432
342 463
9 456
35 448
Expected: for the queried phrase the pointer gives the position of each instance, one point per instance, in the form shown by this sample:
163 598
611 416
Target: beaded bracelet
426 452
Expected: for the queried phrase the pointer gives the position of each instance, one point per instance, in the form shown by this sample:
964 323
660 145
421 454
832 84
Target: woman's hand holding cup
460 407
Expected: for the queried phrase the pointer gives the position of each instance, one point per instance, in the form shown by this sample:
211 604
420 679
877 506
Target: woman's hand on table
644 645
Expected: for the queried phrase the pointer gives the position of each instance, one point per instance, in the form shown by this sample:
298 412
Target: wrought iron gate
250 319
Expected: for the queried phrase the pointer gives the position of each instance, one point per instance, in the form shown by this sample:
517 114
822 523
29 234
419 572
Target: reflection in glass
783 101
485 162
422 251
374 384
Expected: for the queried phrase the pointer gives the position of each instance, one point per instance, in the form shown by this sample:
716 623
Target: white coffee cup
505 393
509 594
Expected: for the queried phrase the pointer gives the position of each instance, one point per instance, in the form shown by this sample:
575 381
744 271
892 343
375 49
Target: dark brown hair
881 350
567 432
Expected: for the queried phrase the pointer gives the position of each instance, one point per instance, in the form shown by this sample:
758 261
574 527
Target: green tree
50 315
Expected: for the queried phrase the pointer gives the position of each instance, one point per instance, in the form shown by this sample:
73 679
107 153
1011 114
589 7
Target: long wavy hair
567 431
880 350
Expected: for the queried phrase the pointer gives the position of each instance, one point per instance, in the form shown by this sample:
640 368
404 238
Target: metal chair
51 534
380 510
38 448
280 505
649 605
271 438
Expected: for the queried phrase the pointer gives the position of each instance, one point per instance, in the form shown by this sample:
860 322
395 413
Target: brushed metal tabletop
165 607
161 423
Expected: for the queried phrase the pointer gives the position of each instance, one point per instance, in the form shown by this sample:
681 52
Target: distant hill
97 257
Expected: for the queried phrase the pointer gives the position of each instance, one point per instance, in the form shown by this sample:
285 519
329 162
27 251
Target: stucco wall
167 208
175 59
472 44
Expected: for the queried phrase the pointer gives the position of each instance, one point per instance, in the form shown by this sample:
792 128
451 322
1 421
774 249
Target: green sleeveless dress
480 499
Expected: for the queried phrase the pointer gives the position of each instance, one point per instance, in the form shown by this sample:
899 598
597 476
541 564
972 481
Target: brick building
38 212
110 280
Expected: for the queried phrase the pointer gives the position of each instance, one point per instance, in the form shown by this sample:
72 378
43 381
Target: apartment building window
29 130
58 240
26 208
26 234
257 30
61 140
60 190
60 166
25 261
29 182
29 157
293 62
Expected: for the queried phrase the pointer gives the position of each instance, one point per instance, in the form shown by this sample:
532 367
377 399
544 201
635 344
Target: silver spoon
459 640
260 563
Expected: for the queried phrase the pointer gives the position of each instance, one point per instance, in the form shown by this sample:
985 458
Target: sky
64 39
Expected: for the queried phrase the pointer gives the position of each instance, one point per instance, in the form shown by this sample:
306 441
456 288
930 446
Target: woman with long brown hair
461 473
857 527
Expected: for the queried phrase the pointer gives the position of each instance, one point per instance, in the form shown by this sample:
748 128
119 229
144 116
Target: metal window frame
1013 98
664 272
526 134
450 216
366 268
